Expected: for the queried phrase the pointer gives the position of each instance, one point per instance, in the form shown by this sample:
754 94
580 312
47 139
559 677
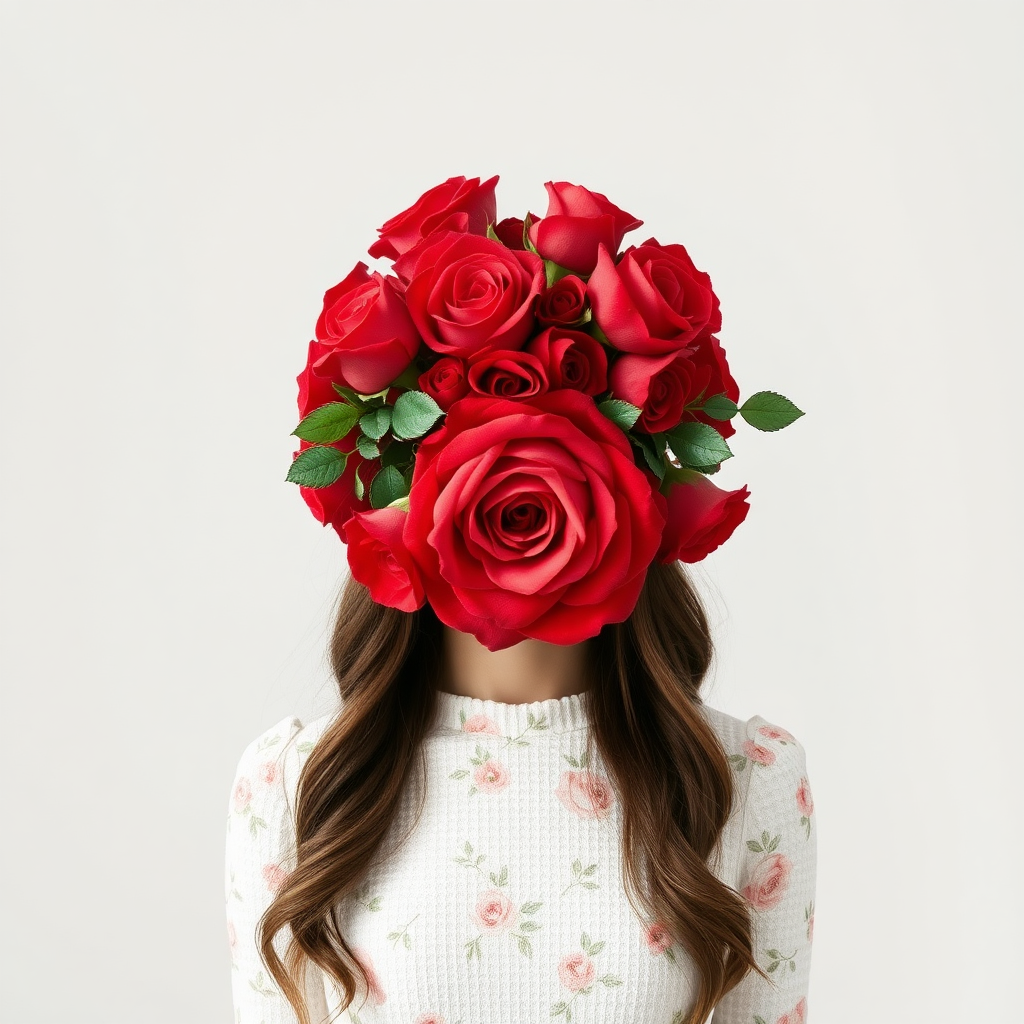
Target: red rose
654 300
334 504
507 373
379 560
577 222
700 517
458 204
510 232
714 376
315 390
564 303
445 381
660 385
571 359
467 293
367 332
530 518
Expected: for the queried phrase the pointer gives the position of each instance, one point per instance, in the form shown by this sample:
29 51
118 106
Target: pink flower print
804 800
481 723
429 1018
773 732
585 794
491 776
376 993
243 794
232 939
768 881
275 876
658 937
795 1016
576 971
762 755
268 771
494 912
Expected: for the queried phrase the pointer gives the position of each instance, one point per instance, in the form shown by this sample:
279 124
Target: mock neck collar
456 713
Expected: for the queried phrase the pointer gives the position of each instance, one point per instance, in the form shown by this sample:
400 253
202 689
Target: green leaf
553 272
653 448
349 395
622 413
754 846
397 453
596 331
414 413
358 487
697 444
375 423
773 966
527 221
330 422
720 407
492 234
386 487
318 466
768 410
367 447
402 503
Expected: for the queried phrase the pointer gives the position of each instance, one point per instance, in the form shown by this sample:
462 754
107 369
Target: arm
259 853
776 875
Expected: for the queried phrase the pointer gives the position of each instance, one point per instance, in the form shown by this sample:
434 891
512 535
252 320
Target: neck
528 671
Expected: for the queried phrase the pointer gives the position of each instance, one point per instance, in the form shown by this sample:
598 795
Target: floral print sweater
506 904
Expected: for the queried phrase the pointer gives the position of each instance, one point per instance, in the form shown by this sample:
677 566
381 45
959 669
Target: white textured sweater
506 904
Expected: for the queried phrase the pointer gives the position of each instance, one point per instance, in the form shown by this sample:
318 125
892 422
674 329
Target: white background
180 185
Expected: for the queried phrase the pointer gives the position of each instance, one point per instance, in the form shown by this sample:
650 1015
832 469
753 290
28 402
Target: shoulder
768 763
268 767
756 742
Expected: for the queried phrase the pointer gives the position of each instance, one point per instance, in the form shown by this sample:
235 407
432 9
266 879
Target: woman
523 809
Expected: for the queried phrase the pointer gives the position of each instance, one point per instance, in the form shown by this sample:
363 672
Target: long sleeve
259 853
776 875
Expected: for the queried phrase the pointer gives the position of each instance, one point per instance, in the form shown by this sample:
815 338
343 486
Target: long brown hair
663 759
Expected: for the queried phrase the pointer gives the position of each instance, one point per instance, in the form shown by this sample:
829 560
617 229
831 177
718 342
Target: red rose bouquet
519 418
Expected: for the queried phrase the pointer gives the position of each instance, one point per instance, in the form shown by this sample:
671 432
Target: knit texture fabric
506 903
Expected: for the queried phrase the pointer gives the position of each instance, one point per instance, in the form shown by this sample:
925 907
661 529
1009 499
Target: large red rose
458 204
367 333
700 516
577 222
530 518
571 359
467 293
654 300
379 560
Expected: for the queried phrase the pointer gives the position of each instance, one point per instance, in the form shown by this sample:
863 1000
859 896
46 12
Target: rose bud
458 204
564 303
700 516
576 223
445 381
571 359
380 561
